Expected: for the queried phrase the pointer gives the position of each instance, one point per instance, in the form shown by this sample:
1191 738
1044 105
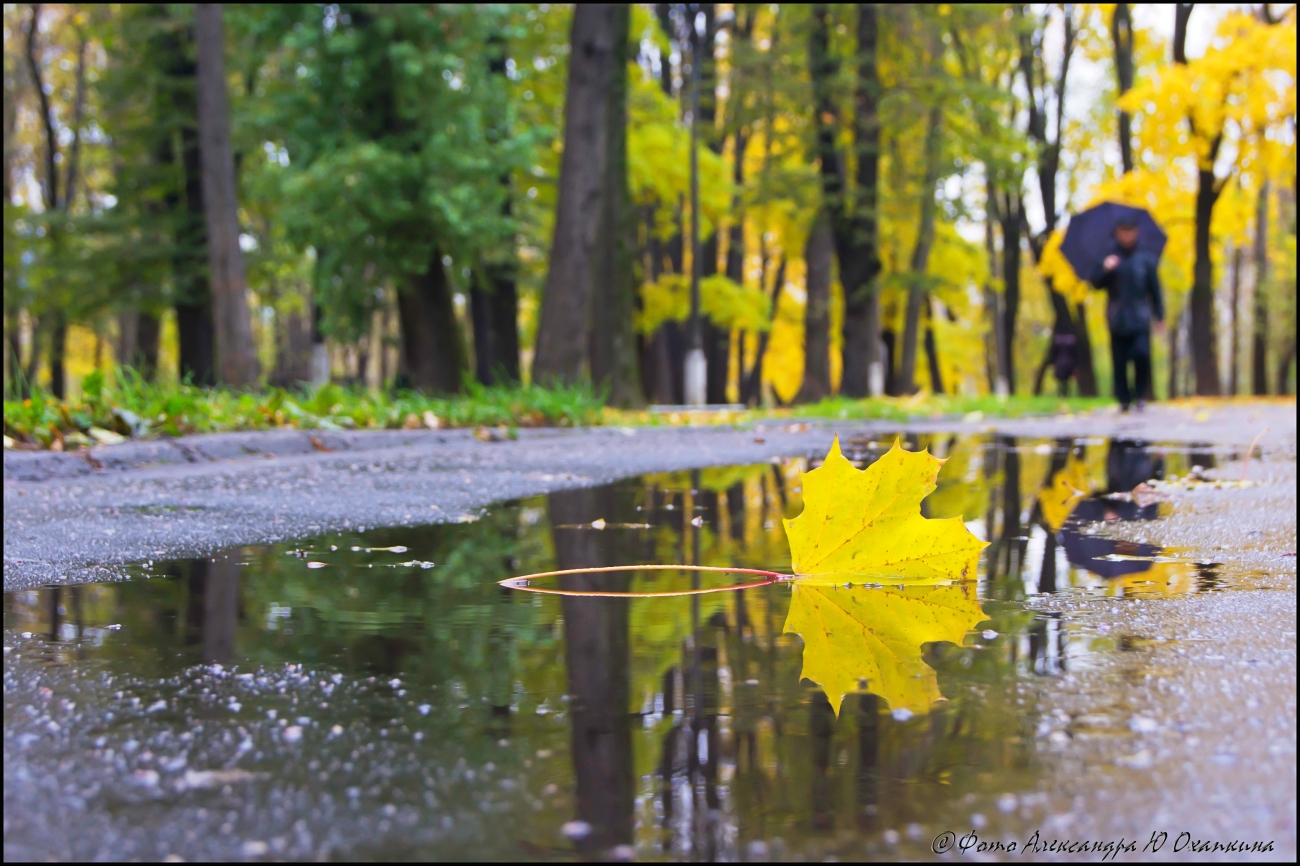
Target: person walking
1129 276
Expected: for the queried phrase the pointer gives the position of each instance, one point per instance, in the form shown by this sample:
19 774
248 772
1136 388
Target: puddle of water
380 695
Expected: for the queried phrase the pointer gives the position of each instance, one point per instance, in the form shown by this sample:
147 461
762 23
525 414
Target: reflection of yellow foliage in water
1162 578
1067 487
871 639
869 522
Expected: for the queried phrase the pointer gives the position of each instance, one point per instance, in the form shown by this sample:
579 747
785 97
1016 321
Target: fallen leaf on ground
868 522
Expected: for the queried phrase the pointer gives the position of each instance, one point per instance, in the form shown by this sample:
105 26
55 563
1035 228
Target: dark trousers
1136 348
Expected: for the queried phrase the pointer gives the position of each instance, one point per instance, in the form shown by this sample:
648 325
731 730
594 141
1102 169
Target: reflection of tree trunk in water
779 480
1047 576
55 616
821 730
736 510
220 609
1011 545
868 777
500 673
596 656
990 517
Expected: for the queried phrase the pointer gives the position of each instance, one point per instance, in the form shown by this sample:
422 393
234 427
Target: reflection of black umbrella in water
1091 235
1091 552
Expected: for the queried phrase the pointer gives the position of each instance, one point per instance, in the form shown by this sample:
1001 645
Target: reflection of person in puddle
1128 464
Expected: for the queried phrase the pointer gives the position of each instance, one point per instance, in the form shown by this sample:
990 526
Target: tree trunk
1205 355
494 296
753 387
494 309
1259 339
993 306
1085 373
917 294
562 336
15 382
1284 367
138 336
236 352
1011 223
817 313
1234 334
888 350
431 339
1121 30
856 242
613 340
293 351
932 357
194 325
58 354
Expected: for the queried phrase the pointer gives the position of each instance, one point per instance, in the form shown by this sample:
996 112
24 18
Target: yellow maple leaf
870 639
868 522
1067 487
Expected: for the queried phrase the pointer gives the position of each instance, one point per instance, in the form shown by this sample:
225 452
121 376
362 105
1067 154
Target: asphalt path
76 518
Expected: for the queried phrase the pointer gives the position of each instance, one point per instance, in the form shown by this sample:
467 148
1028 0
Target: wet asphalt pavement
1191 727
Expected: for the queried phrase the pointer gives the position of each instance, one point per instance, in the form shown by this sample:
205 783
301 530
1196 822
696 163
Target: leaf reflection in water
860 639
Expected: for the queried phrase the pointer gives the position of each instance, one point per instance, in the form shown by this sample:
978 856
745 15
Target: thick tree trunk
562 337
1205 354
817 313
431 339
917 294
613 341
1259 339
856 241
236 353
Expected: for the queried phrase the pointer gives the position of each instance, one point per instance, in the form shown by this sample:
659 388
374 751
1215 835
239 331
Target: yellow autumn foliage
727 303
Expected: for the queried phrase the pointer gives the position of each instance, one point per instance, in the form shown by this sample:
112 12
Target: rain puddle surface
379 695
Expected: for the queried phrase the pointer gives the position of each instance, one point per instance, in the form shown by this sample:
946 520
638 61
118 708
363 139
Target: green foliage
134 407
973 408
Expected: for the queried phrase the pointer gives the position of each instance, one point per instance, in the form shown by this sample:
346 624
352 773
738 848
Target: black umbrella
1090 236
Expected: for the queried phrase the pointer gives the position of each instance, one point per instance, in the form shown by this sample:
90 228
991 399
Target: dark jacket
1134 290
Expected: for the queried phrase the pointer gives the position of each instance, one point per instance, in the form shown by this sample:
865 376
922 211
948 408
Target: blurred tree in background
420 196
